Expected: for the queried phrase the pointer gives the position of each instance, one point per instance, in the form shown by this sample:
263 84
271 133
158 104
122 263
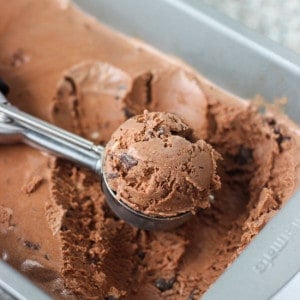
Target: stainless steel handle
16 124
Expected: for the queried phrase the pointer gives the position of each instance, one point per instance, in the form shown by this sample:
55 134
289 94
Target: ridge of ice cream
155 165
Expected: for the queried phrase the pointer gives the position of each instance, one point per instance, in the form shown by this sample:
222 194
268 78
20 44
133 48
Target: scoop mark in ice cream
97 83
176 87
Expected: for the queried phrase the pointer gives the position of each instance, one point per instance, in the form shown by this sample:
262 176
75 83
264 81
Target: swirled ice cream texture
156 166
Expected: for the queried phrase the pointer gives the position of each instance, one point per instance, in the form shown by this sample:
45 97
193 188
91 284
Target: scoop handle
48 137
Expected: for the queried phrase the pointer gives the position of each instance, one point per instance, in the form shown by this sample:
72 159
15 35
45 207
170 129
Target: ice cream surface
155 165
55 226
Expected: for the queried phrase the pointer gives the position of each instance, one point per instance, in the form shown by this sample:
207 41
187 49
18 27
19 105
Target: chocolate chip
110 297
32 245
192 294
277 130
175 132
272 122
64 228
244 156
163 284
150 134
141 255
280 138
69 214
128 160
46 257
55 109
94 259
128 114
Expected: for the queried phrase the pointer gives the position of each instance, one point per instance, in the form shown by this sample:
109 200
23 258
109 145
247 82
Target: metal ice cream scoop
17 126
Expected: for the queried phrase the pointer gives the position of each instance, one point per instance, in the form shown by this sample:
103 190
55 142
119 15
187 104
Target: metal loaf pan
243 63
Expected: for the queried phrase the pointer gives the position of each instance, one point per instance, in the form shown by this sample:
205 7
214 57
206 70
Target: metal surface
268 263
290 291
14 286
16 125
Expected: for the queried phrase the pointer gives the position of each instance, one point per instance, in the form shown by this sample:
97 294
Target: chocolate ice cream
55 226
155 165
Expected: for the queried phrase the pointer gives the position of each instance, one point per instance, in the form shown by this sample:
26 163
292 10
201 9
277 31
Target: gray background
277 19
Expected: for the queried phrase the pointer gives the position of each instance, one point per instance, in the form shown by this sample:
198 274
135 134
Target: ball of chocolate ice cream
154 164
